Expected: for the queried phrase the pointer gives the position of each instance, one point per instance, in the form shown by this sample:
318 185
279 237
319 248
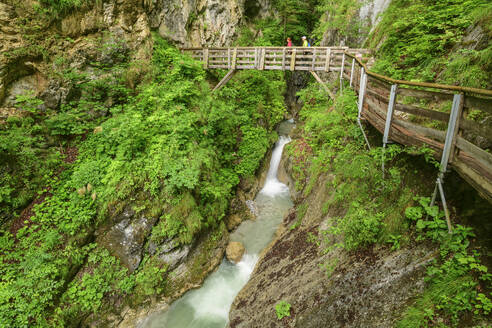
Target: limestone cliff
30 45
362 14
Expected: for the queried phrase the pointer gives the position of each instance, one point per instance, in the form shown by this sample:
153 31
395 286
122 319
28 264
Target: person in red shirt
289 42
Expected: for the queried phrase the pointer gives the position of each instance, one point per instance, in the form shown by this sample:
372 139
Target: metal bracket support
352 72
341 73
450 135
389 119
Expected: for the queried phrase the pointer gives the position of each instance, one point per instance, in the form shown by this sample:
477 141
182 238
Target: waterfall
272 186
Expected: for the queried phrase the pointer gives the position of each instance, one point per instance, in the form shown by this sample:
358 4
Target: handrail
390 80
269 47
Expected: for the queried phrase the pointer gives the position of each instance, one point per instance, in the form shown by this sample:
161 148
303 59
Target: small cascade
208 306
272 186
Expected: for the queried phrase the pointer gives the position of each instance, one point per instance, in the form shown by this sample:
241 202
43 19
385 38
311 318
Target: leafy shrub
453 287
105 275
59 7
282 309
361 227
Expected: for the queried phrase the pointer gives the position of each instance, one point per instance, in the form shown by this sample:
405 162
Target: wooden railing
323 59
454 121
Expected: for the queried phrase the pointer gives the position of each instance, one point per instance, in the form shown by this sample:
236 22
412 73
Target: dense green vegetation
35 142
295 19
367 208
457 281
171 149
154 139
422 40
341 19
55 8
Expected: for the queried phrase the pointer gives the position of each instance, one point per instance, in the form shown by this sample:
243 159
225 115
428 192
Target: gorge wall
103 31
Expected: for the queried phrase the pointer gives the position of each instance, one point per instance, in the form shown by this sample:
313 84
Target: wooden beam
256 57
229 58
477 152
481 184
224 80
332 96
262 59
234 56
314 59
293 60
283 59
328 58
205 58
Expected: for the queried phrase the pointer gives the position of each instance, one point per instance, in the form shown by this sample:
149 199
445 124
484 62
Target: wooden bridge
322 59
454 121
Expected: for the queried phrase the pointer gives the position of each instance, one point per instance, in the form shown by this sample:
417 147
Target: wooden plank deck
321 59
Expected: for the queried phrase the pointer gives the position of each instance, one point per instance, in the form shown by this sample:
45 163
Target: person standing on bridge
289 42
305 42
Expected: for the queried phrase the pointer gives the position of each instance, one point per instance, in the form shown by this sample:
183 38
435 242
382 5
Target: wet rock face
170 252
371 11
127 237
125 28
295 82
233 221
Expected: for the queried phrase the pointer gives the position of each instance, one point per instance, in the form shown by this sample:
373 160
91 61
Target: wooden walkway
454 121
322 59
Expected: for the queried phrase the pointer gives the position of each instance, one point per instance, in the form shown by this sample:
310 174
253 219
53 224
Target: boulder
235 251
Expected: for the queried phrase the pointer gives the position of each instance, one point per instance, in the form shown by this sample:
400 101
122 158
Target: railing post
454 151
256 58
352 72
327 59
293 60
262 58
389 114
341 72
448 145
389 118
229 58
205 58
234 57
314 60
362 91
283 58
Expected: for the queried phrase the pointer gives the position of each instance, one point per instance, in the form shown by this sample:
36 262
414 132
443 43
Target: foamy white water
208 306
